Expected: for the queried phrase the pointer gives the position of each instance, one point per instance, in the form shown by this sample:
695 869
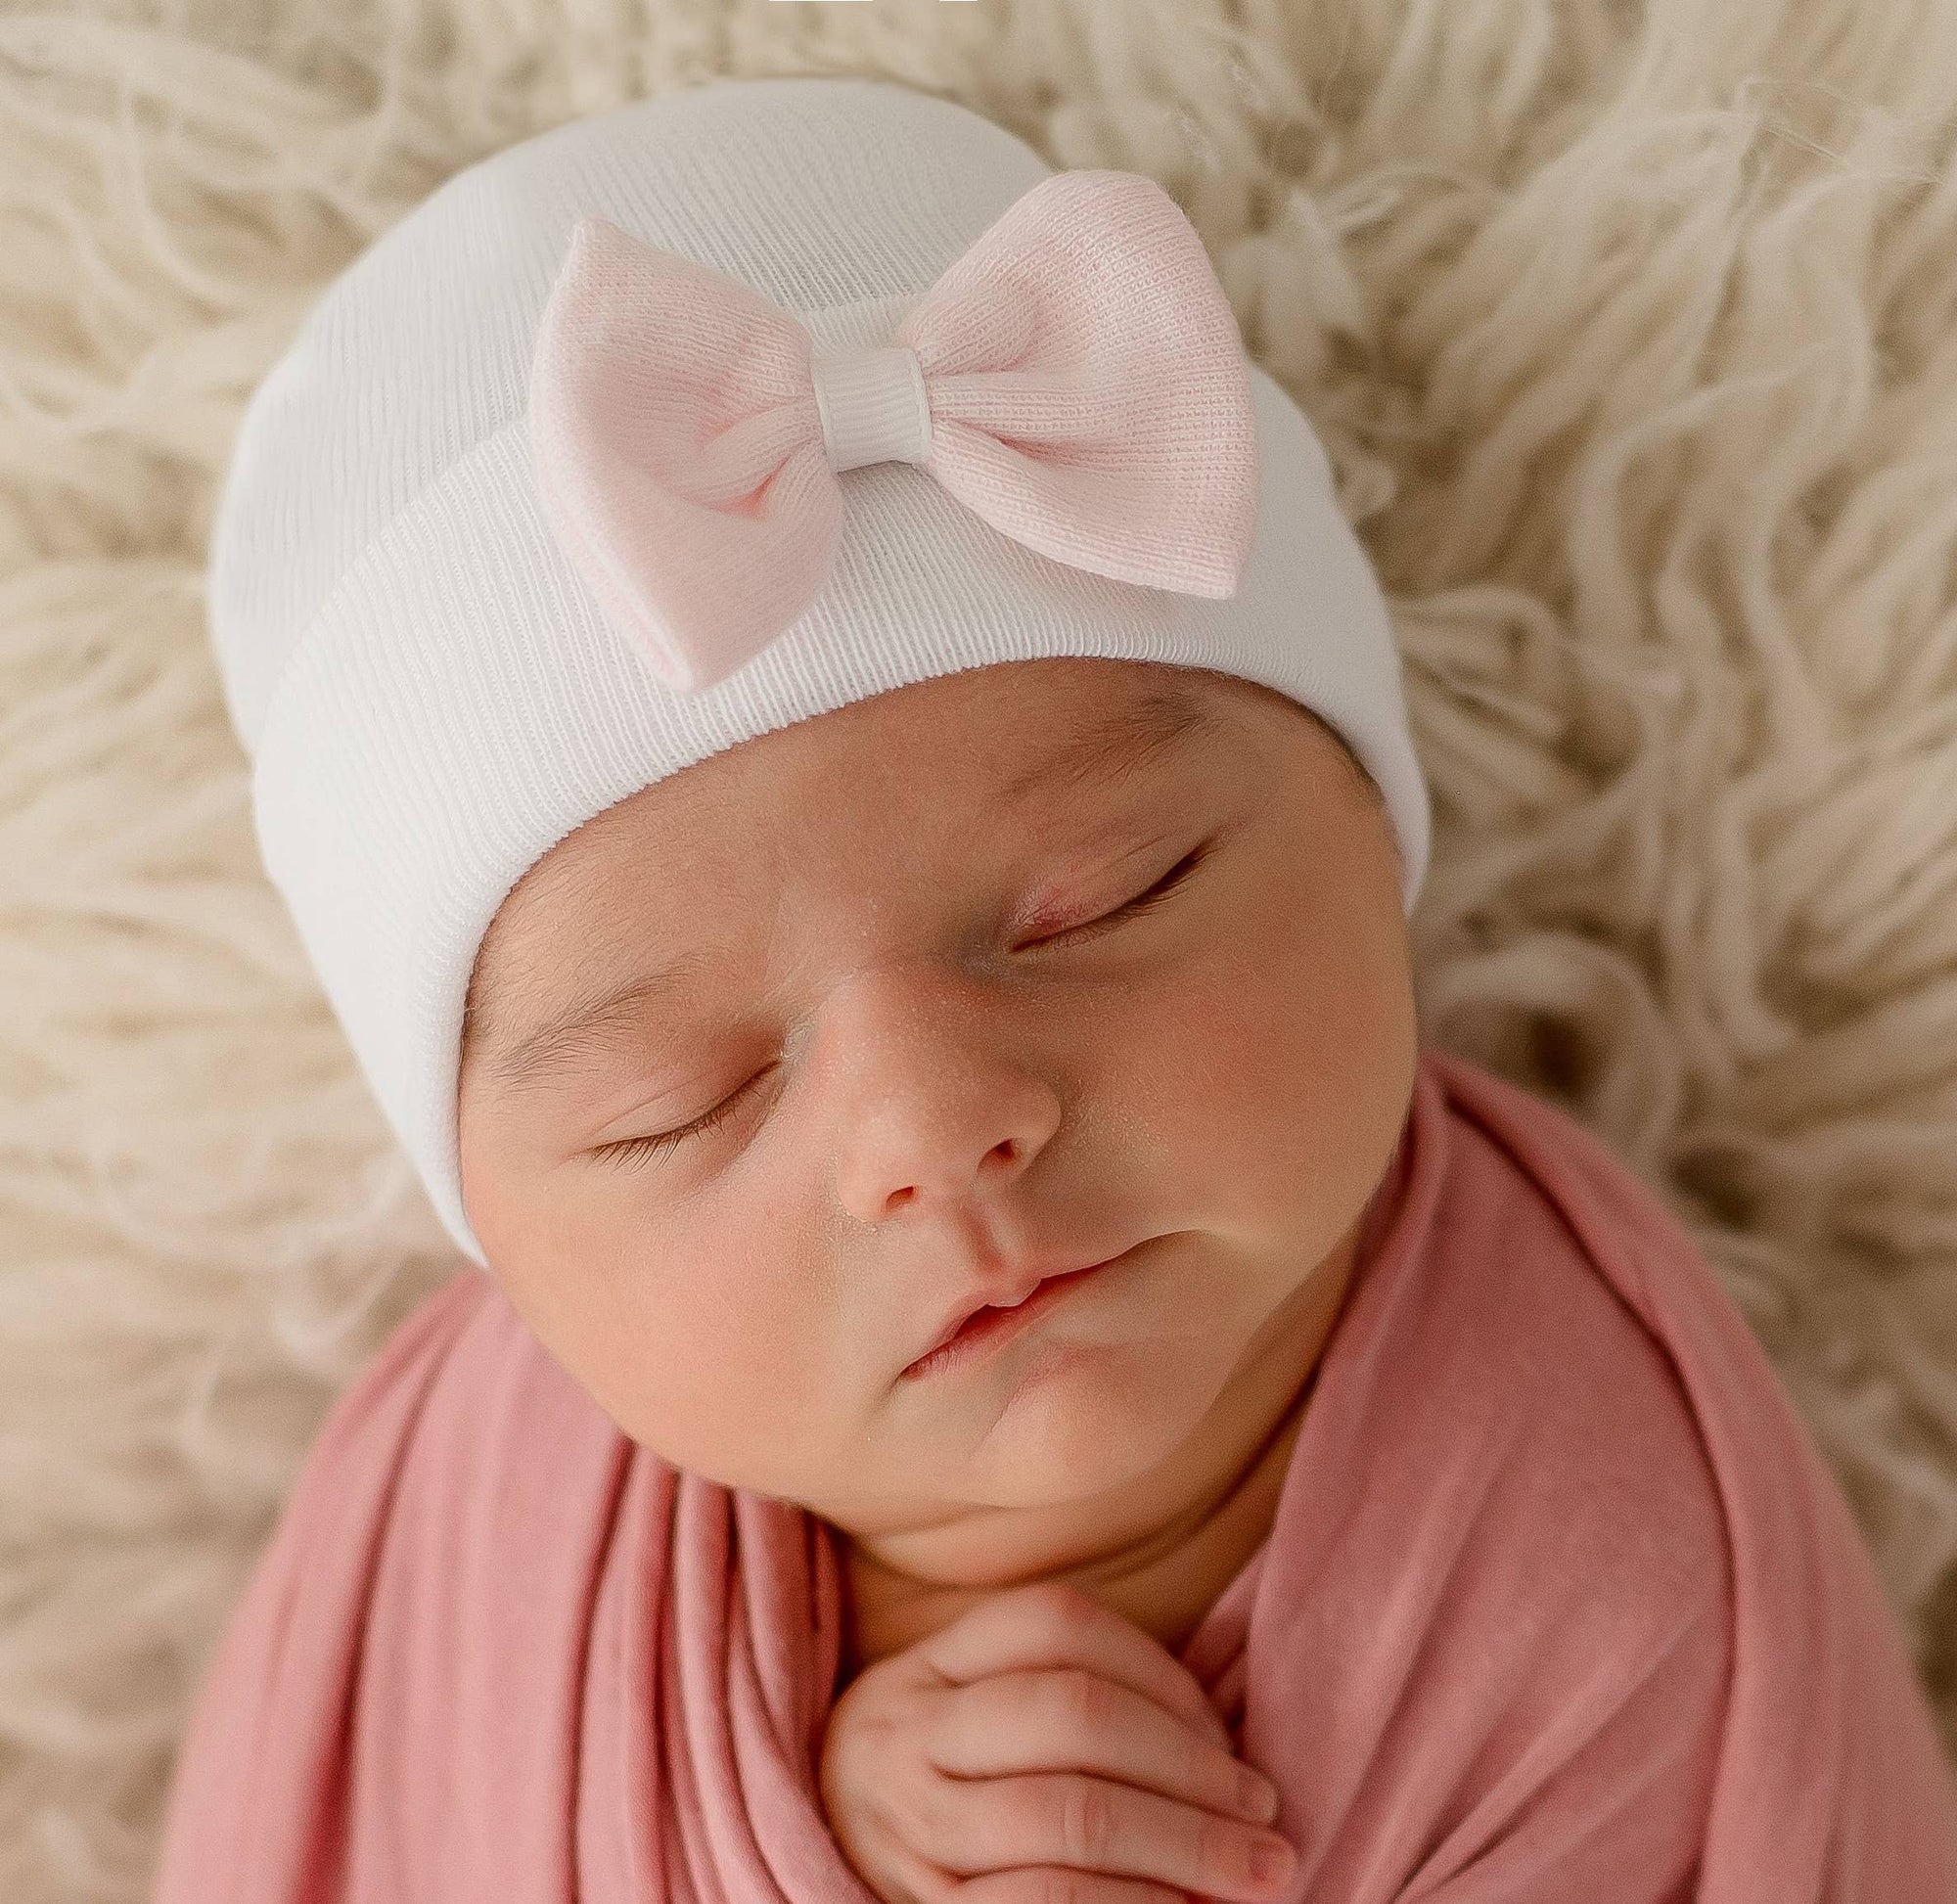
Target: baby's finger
1053 1625
924 1883
1041 1884
1067 1718
1093 1825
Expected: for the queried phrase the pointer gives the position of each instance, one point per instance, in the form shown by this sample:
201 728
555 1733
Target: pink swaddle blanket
1561 1603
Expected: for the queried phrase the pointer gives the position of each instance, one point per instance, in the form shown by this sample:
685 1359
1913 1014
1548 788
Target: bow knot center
874 406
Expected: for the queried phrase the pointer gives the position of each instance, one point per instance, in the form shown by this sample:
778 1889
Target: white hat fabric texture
432 697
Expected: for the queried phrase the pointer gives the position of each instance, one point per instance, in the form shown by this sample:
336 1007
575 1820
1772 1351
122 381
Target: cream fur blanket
1632 330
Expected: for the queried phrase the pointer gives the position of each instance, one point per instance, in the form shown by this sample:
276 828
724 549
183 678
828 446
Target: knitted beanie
441 663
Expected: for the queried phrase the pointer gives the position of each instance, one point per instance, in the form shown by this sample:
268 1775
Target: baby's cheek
723 1367
1264 1090
1215 1064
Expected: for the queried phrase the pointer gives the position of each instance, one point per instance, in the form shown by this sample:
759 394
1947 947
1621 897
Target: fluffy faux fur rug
1633 332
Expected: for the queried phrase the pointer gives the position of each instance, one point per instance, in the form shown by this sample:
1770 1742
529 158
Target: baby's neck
1220 1496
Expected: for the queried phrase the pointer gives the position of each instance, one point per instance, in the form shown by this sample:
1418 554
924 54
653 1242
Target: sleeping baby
848 784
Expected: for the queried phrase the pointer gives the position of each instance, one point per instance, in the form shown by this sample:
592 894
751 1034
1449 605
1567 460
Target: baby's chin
1076 1417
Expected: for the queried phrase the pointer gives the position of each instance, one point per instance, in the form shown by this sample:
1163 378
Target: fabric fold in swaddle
1561 1601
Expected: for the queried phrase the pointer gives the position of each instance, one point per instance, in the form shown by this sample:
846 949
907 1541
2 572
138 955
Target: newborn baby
848 781
985 979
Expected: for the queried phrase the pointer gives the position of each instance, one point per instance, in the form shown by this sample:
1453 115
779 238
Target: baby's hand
958 1768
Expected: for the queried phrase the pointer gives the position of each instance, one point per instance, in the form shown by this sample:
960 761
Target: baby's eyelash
1144 901
641 1150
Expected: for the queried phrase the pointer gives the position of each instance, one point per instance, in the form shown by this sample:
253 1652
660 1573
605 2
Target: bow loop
1075 378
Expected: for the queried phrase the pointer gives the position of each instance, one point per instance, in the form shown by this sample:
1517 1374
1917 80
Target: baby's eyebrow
586 1023
1119 743
1110 747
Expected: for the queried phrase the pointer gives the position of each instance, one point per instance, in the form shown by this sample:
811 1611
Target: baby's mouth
994 1325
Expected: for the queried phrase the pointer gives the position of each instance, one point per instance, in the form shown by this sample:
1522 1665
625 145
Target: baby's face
895 1042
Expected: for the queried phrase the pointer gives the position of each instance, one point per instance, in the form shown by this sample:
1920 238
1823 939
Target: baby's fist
1041 1739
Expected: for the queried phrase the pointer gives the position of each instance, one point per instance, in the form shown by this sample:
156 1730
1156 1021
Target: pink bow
1077 377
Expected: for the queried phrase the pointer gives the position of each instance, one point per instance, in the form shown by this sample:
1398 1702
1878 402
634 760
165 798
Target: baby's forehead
991 750
997 748
985 740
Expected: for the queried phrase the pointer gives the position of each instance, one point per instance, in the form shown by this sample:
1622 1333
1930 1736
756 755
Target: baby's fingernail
1271 1858
1258 1796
